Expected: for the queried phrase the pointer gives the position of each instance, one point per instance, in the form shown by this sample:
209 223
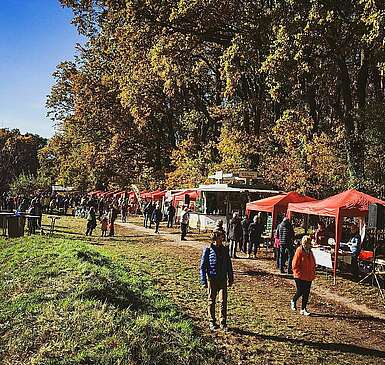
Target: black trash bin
15 226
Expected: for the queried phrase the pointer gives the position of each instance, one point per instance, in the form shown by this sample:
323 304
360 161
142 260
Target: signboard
194 221
269 224
248 174
206 221
62 188
218 175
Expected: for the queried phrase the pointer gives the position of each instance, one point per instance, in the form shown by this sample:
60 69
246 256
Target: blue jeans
282 257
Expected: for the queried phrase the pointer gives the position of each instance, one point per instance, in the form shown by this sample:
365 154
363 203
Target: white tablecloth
322 257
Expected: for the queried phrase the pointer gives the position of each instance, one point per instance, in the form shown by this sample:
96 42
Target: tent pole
273 222
337 247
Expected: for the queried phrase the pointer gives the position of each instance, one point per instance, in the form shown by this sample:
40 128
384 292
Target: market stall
276 205
218 202
350 203
185 196
158 195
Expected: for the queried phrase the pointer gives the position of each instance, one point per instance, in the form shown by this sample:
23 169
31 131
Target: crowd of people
216 272
105 210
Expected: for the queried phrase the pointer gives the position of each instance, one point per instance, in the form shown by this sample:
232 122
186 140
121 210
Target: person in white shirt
184 219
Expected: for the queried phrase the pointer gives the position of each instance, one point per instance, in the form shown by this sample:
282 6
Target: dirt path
244 265
263 329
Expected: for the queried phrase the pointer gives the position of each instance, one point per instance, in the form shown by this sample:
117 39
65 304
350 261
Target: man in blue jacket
216 273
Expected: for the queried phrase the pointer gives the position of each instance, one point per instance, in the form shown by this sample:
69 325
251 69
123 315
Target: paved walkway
246 265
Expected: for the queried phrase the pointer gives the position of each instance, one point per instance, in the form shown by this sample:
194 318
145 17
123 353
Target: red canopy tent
350 203
192 193
277 204
131 195
145 195
119 194
95 193
158 195
154 195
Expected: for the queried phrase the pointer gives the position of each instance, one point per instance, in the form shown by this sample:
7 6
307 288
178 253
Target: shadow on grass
253 273
94 258
92 239
266 257
337 347
120 297
348 317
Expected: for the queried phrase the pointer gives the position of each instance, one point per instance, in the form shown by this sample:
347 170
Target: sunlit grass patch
65 302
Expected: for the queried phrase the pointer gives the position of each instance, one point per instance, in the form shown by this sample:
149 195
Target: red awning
155 195
276 204
351 203
158 195
192 193
145 195
278 201
119 194
95 193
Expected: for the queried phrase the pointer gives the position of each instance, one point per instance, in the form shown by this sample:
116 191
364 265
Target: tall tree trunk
353 136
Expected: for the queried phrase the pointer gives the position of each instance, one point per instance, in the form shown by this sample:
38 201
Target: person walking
216 274
157 217
286 239
123 211
151 208
255 236
184 220
235 234
277 246
170 215
304 267
112 215
245 233
145 214
104 225
91 221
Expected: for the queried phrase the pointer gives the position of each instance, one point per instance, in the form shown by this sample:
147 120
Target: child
104 225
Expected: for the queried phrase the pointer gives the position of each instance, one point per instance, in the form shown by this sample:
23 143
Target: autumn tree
293 89
18 154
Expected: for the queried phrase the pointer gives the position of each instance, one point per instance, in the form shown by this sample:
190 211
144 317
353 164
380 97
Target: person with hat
216 274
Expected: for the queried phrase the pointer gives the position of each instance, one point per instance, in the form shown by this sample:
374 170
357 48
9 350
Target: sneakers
293 305
213 327
224 328
304 312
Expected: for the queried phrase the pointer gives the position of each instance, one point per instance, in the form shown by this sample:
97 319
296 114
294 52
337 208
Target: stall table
323 257
53 222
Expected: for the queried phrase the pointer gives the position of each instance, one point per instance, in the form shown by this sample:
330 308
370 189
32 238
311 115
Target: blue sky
35 36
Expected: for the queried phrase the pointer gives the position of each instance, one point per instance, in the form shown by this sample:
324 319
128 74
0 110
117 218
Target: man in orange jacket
304 267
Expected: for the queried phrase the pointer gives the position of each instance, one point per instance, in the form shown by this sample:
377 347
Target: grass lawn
65 300
136 299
